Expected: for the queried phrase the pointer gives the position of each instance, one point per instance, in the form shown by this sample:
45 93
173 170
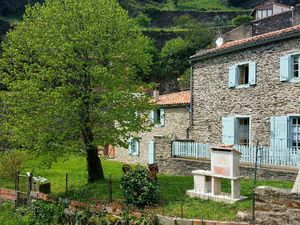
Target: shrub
47 213
143 20
11 161
241 20
138 188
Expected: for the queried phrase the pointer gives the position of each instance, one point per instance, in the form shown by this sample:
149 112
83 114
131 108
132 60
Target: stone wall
213 99
181 166
176 123
275 206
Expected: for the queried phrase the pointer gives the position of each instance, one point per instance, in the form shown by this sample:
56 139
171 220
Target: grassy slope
172 189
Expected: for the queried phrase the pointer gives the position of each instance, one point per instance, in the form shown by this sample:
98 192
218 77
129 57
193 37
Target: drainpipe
190 107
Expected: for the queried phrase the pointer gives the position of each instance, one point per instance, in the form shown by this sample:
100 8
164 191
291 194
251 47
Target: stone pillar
215 185
235 189
296 187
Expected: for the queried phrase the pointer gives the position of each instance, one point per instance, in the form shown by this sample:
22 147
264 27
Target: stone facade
181 166
213 99
176 124
275 206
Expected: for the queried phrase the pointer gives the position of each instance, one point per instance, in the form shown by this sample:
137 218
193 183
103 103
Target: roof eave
196 58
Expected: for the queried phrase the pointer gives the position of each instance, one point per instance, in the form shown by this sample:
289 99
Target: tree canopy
71 71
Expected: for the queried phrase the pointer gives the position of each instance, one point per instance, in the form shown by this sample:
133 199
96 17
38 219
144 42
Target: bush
241 20
48 213
143 20
138 188
11 161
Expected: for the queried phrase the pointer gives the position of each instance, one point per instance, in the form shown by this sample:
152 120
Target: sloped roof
248 42
176 98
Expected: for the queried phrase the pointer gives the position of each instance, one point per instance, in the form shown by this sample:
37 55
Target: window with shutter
133 146
158 117
236 130
242 75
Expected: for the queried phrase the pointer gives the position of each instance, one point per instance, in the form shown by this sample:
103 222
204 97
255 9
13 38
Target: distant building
269 9
171 120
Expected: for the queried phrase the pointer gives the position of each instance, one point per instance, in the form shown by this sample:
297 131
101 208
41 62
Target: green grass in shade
172 189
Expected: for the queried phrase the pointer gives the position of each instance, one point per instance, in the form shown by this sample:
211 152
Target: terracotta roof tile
177 98
247 41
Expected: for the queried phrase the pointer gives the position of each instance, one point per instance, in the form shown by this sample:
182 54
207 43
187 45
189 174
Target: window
157 114
242 131
285 132
295 73
236 130
290 68
295 132
158 117
243 74
133 146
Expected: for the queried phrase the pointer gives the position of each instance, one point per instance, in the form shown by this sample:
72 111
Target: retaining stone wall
276 206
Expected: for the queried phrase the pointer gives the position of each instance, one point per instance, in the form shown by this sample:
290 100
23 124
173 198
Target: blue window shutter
228 130
152 115
130 146
285 67
252 73
232 76
162 116
279 131
151 152
137 147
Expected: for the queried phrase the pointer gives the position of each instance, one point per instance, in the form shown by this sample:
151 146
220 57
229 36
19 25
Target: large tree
70 67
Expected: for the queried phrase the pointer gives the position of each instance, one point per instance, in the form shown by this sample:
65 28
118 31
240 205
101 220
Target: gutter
290 35
190 108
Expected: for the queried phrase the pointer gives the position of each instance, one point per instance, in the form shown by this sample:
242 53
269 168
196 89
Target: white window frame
290 130
237 121
292 77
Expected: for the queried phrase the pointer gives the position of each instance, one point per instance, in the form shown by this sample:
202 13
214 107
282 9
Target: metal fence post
110 189
66 184
254 185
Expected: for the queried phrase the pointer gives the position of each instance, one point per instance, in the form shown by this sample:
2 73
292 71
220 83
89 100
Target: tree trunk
95 171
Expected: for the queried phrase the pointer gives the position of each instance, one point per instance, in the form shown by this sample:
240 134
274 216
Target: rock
243 216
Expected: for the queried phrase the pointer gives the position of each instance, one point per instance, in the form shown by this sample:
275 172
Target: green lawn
172 189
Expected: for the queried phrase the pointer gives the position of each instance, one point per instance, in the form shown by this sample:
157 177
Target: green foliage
47 213
138 188
11 216
241 20
173 59
11 162
220 21
71 83
184 80
143 20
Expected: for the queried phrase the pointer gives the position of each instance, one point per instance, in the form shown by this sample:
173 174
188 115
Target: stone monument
225 162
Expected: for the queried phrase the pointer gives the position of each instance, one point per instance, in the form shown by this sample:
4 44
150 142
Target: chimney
156 92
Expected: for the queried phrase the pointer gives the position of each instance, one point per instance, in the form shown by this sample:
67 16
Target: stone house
248 91
171 120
